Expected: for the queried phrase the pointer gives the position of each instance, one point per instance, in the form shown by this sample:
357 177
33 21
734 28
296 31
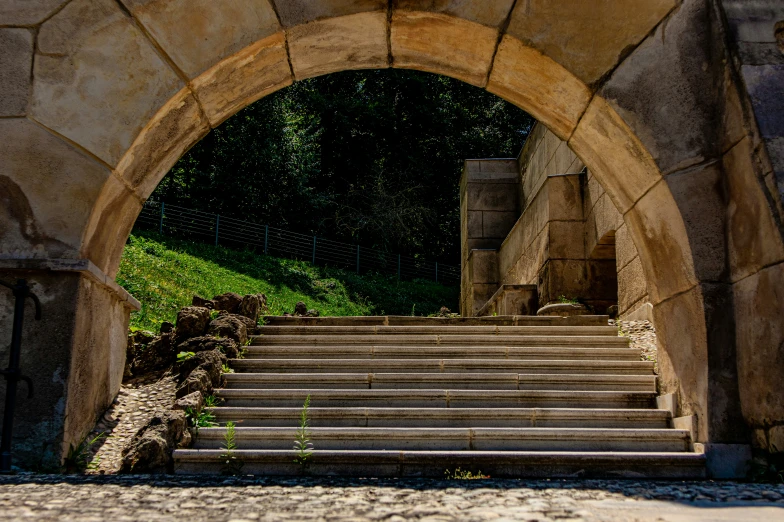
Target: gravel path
642 336
132 408
194 499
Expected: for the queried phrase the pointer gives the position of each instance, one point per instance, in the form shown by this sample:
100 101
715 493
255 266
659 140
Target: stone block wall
570 240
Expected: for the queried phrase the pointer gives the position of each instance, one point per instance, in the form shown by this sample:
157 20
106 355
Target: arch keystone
443 44
357 41
538 85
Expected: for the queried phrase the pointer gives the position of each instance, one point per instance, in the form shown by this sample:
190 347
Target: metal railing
207 227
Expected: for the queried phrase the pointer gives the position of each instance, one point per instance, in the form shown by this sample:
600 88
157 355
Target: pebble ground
217 499
642 336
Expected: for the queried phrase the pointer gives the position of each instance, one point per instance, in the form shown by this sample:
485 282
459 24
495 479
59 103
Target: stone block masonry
564 238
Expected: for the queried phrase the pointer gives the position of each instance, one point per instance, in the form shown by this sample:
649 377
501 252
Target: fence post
160 226
217 226
357 258
266 236
398 267
436 271
314 250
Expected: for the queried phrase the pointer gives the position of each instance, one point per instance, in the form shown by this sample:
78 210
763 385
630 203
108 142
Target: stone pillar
489 208
479 281
74 355
564 271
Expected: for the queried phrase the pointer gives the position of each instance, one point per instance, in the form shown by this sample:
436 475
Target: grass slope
165 273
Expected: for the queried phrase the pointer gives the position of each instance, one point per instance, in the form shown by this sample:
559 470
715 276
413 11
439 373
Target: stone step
402 320
409 352
605 330
442 366
497 464
446 417
457 439
463 381
250 397
565 341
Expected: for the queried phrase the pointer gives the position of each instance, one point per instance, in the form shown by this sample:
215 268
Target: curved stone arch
517 72
127 146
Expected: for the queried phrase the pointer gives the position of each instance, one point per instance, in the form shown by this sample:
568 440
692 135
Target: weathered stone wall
75 355
753 163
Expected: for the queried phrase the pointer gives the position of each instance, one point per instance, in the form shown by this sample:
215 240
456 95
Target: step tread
611 331
442 351
444 417
535 433
437 398
419 376
456 380
402 320
418 463
441 365
456 438
432 392
402 412
605 341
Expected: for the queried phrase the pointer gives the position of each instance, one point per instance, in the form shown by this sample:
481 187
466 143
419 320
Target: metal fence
207 227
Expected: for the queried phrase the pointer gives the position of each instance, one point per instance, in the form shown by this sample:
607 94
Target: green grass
164 274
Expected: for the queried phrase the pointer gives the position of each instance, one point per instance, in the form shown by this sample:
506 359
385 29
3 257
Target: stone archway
107 94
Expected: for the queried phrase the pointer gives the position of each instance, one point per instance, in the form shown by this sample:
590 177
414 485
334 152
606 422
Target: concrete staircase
402 396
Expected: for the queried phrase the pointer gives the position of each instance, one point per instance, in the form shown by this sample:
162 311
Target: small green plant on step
79 457
459 474
232 464
184 356
202 419
567 300
211 401
227 369
302 444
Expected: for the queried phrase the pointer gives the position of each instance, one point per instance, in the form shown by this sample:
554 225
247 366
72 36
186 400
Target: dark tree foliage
372 157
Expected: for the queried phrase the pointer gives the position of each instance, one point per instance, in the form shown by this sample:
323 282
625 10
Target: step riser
598 341
610 331
450 442
441 366
433 399
433 352
507 465
433 419
342 385
454 322
460 445
430 381
349 402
